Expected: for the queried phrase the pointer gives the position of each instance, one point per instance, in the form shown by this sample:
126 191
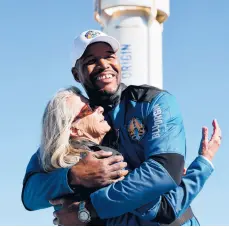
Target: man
151 137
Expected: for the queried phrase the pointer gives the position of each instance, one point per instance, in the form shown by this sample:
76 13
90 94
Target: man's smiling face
99 69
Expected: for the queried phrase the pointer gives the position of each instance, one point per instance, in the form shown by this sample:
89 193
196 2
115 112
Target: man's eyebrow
88 56
110 52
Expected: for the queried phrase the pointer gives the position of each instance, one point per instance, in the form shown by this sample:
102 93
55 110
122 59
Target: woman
71 128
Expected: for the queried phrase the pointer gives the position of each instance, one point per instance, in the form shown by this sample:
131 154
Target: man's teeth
104 77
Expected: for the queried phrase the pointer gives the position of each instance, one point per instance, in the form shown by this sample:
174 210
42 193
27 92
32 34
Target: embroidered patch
92 34
158 121
136 129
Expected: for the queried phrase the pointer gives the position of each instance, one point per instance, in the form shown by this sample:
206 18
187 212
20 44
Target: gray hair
56 150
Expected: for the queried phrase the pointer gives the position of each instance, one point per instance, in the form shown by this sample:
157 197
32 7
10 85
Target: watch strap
82 205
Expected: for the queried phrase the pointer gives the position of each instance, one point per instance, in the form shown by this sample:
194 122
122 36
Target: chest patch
136 129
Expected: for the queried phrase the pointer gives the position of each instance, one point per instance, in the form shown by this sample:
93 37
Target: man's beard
108 93
93 88
100 97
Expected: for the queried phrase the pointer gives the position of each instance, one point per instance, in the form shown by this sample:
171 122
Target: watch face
83 216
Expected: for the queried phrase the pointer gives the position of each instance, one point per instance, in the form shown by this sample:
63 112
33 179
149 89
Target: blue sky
35 45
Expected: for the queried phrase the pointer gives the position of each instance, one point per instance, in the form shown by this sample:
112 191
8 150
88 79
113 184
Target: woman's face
88 120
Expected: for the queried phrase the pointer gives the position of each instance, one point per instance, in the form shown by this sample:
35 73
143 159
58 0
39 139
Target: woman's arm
197 173
95 171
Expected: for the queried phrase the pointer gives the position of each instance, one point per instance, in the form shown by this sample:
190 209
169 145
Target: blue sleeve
182 196
164 149
138 188
39 187
196 176
165 129
178 199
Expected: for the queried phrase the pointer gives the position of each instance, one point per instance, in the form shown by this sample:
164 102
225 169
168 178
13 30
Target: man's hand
98 169
209 148
68 214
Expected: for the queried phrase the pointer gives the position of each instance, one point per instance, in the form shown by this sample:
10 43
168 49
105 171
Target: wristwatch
83 213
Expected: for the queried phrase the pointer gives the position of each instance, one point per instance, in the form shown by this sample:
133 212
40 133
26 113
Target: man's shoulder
142 93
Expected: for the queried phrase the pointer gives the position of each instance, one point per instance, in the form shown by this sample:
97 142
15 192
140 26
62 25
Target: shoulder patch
136 129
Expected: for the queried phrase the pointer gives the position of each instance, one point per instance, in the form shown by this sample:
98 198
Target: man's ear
75 74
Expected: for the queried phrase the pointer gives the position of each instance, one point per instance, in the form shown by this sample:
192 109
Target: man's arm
93 171
164 149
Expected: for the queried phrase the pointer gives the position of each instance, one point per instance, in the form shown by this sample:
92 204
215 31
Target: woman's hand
208 148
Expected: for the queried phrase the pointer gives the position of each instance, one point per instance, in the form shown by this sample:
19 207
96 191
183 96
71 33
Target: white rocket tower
138 25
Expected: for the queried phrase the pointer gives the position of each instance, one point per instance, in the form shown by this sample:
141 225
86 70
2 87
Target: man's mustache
94 75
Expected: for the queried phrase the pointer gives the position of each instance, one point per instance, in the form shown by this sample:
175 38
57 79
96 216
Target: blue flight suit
151 138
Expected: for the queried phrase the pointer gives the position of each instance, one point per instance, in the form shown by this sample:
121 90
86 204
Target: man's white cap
88 37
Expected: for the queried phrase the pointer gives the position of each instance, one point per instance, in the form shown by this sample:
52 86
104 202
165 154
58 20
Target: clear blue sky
35 45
